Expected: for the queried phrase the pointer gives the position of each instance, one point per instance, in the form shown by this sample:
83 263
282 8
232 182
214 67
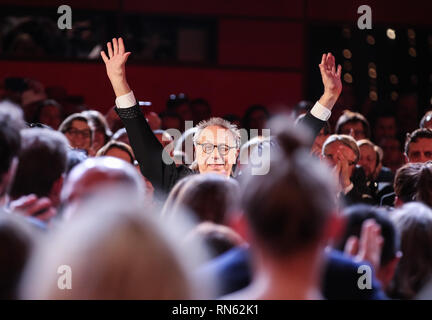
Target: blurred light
348 78
372 73
394 95
431 101
347 66
347 54
370 39
391 34
411 34
145 103
372 65
373 95
172 96
394 79
412 52
346 32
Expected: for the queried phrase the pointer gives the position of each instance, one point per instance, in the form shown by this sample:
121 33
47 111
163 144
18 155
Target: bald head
96 174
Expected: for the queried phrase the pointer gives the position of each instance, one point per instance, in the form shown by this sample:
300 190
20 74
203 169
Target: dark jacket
232 271
149 152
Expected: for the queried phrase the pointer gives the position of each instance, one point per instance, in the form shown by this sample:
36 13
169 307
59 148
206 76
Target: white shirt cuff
125 101
320 112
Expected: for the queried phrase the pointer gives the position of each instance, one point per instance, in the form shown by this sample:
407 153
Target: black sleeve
148 150
313 123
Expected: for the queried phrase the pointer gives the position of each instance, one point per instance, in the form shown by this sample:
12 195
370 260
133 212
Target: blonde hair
116 252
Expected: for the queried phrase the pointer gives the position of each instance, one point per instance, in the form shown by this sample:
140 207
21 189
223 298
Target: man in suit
219 152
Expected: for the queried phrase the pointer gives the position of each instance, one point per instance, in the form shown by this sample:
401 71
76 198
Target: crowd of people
115 199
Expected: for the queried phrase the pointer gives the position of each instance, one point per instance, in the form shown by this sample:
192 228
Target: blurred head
393 156
50 113
114 252
16 240
424 184
405 183
171 120
179 104
121 136
385 126
418 146
414 224
42 163
74 157
355 217
218 238
78 129
10 144
117 150
201 193
353 124
95 174
217 143
289 209
370 158
201 110
255 117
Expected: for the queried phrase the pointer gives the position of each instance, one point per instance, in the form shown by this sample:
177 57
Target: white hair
218 122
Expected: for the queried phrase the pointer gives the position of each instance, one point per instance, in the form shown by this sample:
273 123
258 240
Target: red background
261 51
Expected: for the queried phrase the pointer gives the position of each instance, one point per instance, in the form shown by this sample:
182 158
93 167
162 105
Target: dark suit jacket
148 150
233 273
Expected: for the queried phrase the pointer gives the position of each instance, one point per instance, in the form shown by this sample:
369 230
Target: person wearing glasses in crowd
217 141
78 130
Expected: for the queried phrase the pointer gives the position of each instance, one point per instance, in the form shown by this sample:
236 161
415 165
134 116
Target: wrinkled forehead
216 135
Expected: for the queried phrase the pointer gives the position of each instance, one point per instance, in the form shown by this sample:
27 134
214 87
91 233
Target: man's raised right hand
115 66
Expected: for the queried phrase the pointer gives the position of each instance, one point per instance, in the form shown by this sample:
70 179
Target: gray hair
218 122
346 140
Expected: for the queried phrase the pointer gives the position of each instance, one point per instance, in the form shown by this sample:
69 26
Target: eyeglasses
86 134
209 147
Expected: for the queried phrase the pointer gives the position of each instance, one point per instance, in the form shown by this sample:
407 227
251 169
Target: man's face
51 116
79 135
420 151
368 158
332 157
354 129
219 160
385 128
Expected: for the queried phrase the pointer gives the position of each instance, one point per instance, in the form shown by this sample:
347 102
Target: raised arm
146 147
331 78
